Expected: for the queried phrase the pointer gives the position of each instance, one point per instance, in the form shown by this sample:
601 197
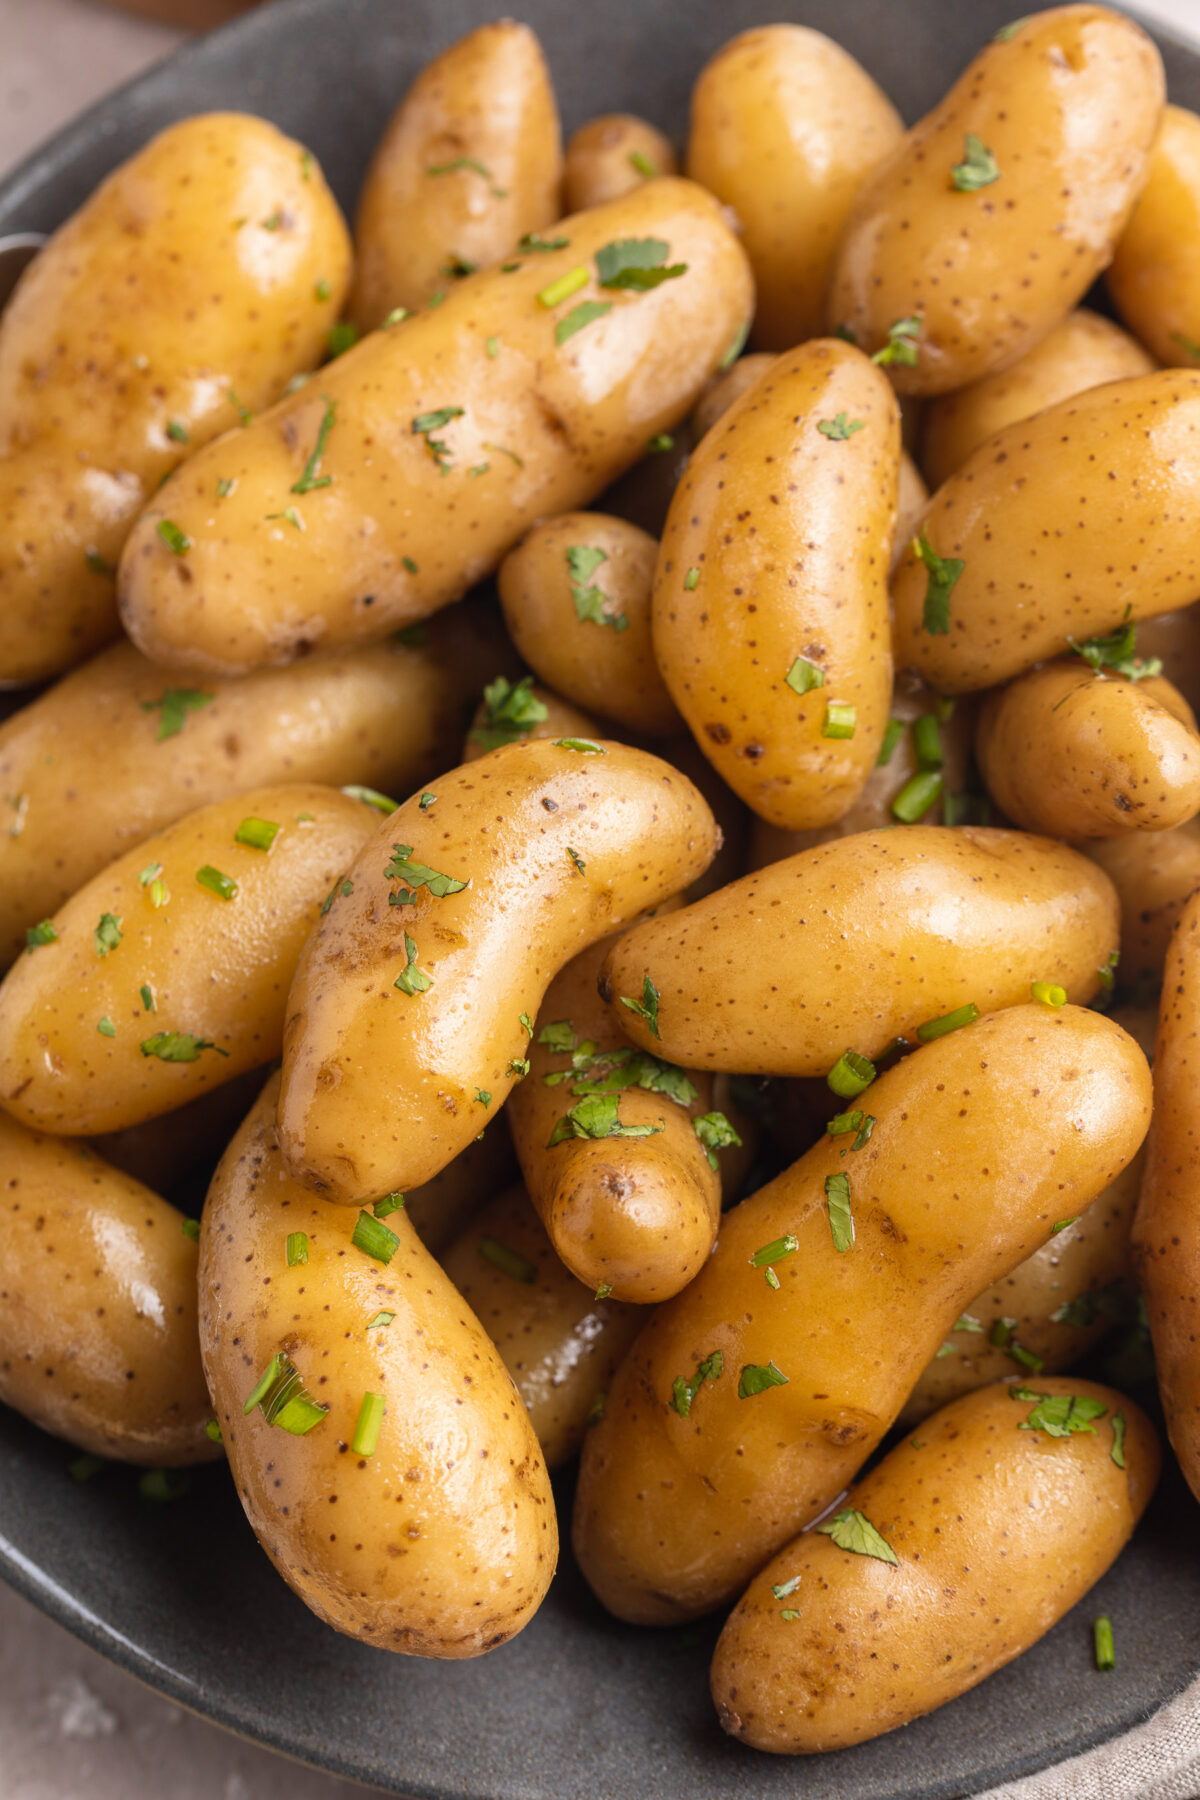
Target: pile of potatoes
778 826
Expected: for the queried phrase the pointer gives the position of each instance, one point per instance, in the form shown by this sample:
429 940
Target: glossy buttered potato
439 442
998 210
770 596
199 277
559 1341
684 1495
167 974
426 976
1155 270
859 941
1155 877
611 155
470 162
434 1534
785 126
97 1306
990 1526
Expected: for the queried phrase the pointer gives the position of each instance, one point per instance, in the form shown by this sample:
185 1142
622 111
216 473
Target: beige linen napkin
1159 1760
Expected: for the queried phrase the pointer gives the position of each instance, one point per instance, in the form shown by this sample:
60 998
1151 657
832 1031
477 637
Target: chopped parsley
756 1378
638 263
943 575
37 935
412 980
97 564
902 345
977 169
715 1133
579 316
531 244
418 875
1117 651
596 1116
685 1389
647 1007
590 601
342 337
510 712
839 428
177 431
578 861
107 934
178 1046
852 1530
425 424
106 1028
1059 1415
173 707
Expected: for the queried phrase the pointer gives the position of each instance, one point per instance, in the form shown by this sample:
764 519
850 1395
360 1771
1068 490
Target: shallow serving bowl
579 1707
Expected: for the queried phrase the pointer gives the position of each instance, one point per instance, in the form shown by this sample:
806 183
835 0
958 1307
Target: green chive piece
564 287
310 478
1117 1453
691 580
1102 1639
394 1202
161 1486
223 886
212 1431
642 164
177 542
366 1432
82 1468
191 1229
284 1399
647 1007
803 676
841 1219
951 1021
684 1390
369 797
341 338
147 993
257 834
509 1262
583 746
850 1075
297 1248
917 796
374 1238
840 720
893 732
1048 993
927 741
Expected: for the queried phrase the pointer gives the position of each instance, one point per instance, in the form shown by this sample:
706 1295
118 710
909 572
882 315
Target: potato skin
1069 106
600 160
1154 877
771 136
445 1538
562 422
606 667
217 969
1062 522
163 297
97 1306
727 387
960 1181
1155 270
1077 754
735 607
489 952
859 941
1031 1521
487 102
558 1341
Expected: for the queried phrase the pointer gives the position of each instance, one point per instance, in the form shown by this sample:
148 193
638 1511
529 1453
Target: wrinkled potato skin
785 127
217 968
1154 877
157 298
1077 755
599 164
1062 522
490 952
558 1342
726 645
1174 638
488 97
252 591
603 669
388 716
97 1306
1155 270
859 941
1036 1519
441 1209
445 1538
1082 352
673 1516
1069 107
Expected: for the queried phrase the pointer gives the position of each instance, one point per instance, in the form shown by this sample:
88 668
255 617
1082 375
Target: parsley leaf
425 424
977 169
107 934
839 427
596 1117
684 1391
852 1530
715 1133
510 712
639 263
590 601
584 314
178 1046
176 704
418 874
412 980
1059 1415
1116 651
756 1378
647 1007
902 346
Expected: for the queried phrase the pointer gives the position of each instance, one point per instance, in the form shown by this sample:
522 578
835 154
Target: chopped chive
1048 993
161 1486
177 542
341 338
256 834
223 886
177 431
97 564
397 316
212 1431
850 1075
927 741
369 797
190 1229
290 517
366 1432
803 676
83 1468
917 796
772 1253
106 1028
736 346
394 1202
660 443
691 580
297 1248
1062 1224
310 479
951 1021
893 732
284 1399
781 1589
1102 1639
642 164
564 287
841 1218
374 1238
840 720
509 1262
147 993
1117 1453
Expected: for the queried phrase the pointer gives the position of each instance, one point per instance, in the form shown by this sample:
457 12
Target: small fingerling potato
611 155
97 1306
829 1291
953 1556
558 1340
969 244
1154 876
441 1209
780 661
471 162
426 976
167 974
377 1443
785 127
1155 271
511 712
858 942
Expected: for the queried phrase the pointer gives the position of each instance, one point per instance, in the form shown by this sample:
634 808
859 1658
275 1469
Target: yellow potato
860 941
911 501
440 1538
727 387
98 1306
1082 352
1154 877
438 443
1155 269
1057 528
559 1342
1077 753
167 974
785 127
424 980
994 1522
611 155
781 663
199 277
442 1208
977 227
470 162
705 1461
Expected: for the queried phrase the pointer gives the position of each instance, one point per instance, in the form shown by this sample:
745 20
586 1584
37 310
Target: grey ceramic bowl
579 1707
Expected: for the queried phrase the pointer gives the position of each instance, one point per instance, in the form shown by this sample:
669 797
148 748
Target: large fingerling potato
425 978
97 1306
785 126
167 974
976 226
744 1409
859 941
470 162
558 1340
609 156
989 1527
439 441
1154 877
770 596
199 277
1055 529
435 1537
1155 270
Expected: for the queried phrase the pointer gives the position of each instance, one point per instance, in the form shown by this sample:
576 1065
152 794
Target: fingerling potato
611 155
1155 268
1154 877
